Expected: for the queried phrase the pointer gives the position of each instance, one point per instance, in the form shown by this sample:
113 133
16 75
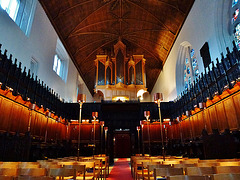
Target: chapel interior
113 79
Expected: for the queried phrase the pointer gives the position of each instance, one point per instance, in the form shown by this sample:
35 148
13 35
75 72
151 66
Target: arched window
187 67
235 29
234 2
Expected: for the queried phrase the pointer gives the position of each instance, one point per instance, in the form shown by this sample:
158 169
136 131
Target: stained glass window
196 73
188 70
235 15
237 35
234 2
191 71
192 53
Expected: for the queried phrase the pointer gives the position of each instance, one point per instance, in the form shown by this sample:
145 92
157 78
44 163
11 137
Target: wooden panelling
230 110
221 117
14 119
5 113
213 117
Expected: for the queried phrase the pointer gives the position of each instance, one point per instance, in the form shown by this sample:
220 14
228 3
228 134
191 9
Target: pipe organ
119 76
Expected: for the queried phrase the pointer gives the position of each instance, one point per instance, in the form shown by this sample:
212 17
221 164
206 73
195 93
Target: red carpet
121 170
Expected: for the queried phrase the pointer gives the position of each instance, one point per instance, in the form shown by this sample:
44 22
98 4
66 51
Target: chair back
199 171
32 172
226 169
9 171
225 177
62 172
186 177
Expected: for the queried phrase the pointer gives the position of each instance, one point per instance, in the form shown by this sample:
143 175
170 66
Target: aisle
121 170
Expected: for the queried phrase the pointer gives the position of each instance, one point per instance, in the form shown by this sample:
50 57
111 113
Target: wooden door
122 144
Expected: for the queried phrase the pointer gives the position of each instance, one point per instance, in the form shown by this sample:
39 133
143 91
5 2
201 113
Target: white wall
206 22
41 44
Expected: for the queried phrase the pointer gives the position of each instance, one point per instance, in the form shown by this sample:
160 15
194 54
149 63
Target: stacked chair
179 168
87 168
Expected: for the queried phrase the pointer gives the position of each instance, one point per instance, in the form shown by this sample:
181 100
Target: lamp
81 98
31 107
188 114
202 106
106 130
142 125
102 125
94 115
158 97
179 121
147 115
138 129
47 114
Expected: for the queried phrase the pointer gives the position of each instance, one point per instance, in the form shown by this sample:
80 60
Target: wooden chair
80 171
90 168
2 177
199 171
34 178
226 169
137 169
32 172
29 165
150 170
105 165
145 169
184 166
9 171
186 177
225 177
233 163
190 161
171 162
210 164
63 173
227 160
9 165
164 172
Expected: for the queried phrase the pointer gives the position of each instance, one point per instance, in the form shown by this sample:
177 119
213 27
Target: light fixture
202 106
188 114
142 125
81 98
105 130
147 115
138 129
158 97
48 115
31 107
94 115
102 125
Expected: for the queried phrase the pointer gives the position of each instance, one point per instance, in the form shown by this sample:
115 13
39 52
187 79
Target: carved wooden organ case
119 75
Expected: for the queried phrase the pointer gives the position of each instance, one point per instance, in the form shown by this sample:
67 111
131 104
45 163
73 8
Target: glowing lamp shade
158 97
178 119
146 113
105 128
48 114
188 113
32 106
94 114
202 105
81 98
138 128
141 123
102 123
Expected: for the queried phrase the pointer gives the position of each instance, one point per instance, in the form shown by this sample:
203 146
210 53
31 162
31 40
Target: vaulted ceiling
87 27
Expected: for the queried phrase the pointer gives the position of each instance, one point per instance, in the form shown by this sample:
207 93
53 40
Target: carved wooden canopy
91 27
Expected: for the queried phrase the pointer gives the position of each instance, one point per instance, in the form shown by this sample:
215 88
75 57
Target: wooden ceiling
89 27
